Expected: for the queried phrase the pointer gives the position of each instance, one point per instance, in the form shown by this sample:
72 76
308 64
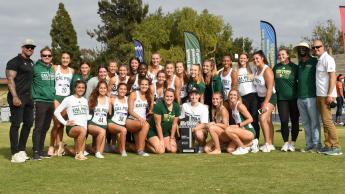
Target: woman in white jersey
264 85
197 113
228 76
173 81
99 107
216 128
243 133
139 106
154 66
182 75
63 80
159 86
246 88
122 77
134 81
117 121
77 111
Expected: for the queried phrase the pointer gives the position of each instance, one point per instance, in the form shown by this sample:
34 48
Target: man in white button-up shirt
326 93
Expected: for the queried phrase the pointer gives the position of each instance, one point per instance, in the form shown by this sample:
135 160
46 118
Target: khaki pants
330 132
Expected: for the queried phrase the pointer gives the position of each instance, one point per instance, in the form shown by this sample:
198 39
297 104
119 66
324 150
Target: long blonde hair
217 111
199 77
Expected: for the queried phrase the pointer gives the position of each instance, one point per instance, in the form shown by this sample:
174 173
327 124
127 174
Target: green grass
275 172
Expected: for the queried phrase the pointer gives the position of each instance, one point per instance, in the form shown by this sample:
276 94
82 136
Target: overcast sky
292 19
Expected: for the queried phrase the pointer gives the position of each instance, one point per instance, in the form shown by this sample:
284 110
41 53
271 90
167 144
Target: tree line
123 21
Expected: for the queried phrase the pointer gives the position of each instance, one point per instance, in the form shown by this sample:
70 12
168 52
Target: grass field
275 172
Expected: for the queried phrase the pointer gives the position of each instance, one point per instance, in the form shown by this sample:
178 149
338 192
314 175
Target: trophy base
188 150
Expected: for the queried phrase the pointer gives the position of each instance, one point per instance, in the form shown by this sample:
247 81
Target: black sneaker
45 155
36 156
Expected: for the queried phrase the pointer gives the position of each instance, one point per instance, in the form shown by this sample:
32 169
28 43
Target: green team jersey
200 86
167 118
285 77
306 78
77 77
43 84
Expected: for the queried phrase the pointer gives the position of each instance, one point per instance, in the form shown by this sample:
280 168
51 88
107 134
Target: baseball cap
28 41
194 89
302 44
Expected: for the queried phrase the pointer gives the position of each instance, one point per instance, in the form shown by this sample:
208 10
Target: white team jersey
226 81
245 82
172 84
135 86
100 113
120 111
115 86
77 110
140 106
237 117
198 114
153 75
63 82
156 95
260 84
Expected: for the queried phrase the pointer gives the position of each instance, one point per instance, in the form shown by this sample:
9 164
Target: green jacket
217 85
43 84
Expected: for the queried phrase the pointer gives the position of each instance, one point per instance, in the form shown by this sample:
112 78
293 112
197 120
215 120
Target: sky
292 19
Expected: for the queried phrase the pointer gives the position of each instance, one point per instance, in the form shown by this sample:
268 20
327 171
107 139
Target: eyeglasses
46 56
29 47
316 47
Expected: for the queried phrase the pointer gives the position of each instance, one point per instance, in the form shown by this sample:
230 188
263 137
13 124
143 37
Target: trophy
186 142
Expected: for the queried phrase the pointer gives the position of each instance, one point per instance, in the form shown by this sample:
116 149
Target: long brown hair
184 76
217 111
93 99
148 93
249 70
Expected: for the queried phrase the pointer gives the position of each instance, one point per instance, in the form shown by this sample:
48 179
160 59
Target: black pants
22 114
286 109
43 117
252 104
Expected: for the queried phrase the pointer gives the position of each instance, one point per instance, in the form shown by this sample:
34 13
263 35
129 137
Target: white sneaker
201 150
86 153
99 155
124 154
142 153
271 146
23 155
255 148
285 147
16 158
262 147
291 147
266 148
240 151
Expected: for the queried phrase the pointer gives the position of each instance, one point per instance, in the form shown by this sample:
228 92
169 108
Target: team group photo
172 101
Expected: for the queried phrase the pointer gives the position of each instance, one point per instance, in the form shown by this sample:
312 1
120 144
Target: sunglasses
316 47
46 56
29 47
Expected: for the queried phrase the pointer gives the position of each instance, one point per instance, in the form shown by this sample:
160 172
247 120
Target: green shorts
59 98
273 99
153 132
101 126
68 128
251 129
111 121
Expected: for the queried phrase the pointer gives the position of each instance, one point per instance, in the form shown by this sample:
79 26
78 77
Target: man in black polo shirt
19 73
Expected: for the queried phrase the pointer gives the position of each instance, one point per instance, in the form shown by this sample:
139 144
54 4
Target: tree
164 33
119 18
242 45
64 37
329 34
